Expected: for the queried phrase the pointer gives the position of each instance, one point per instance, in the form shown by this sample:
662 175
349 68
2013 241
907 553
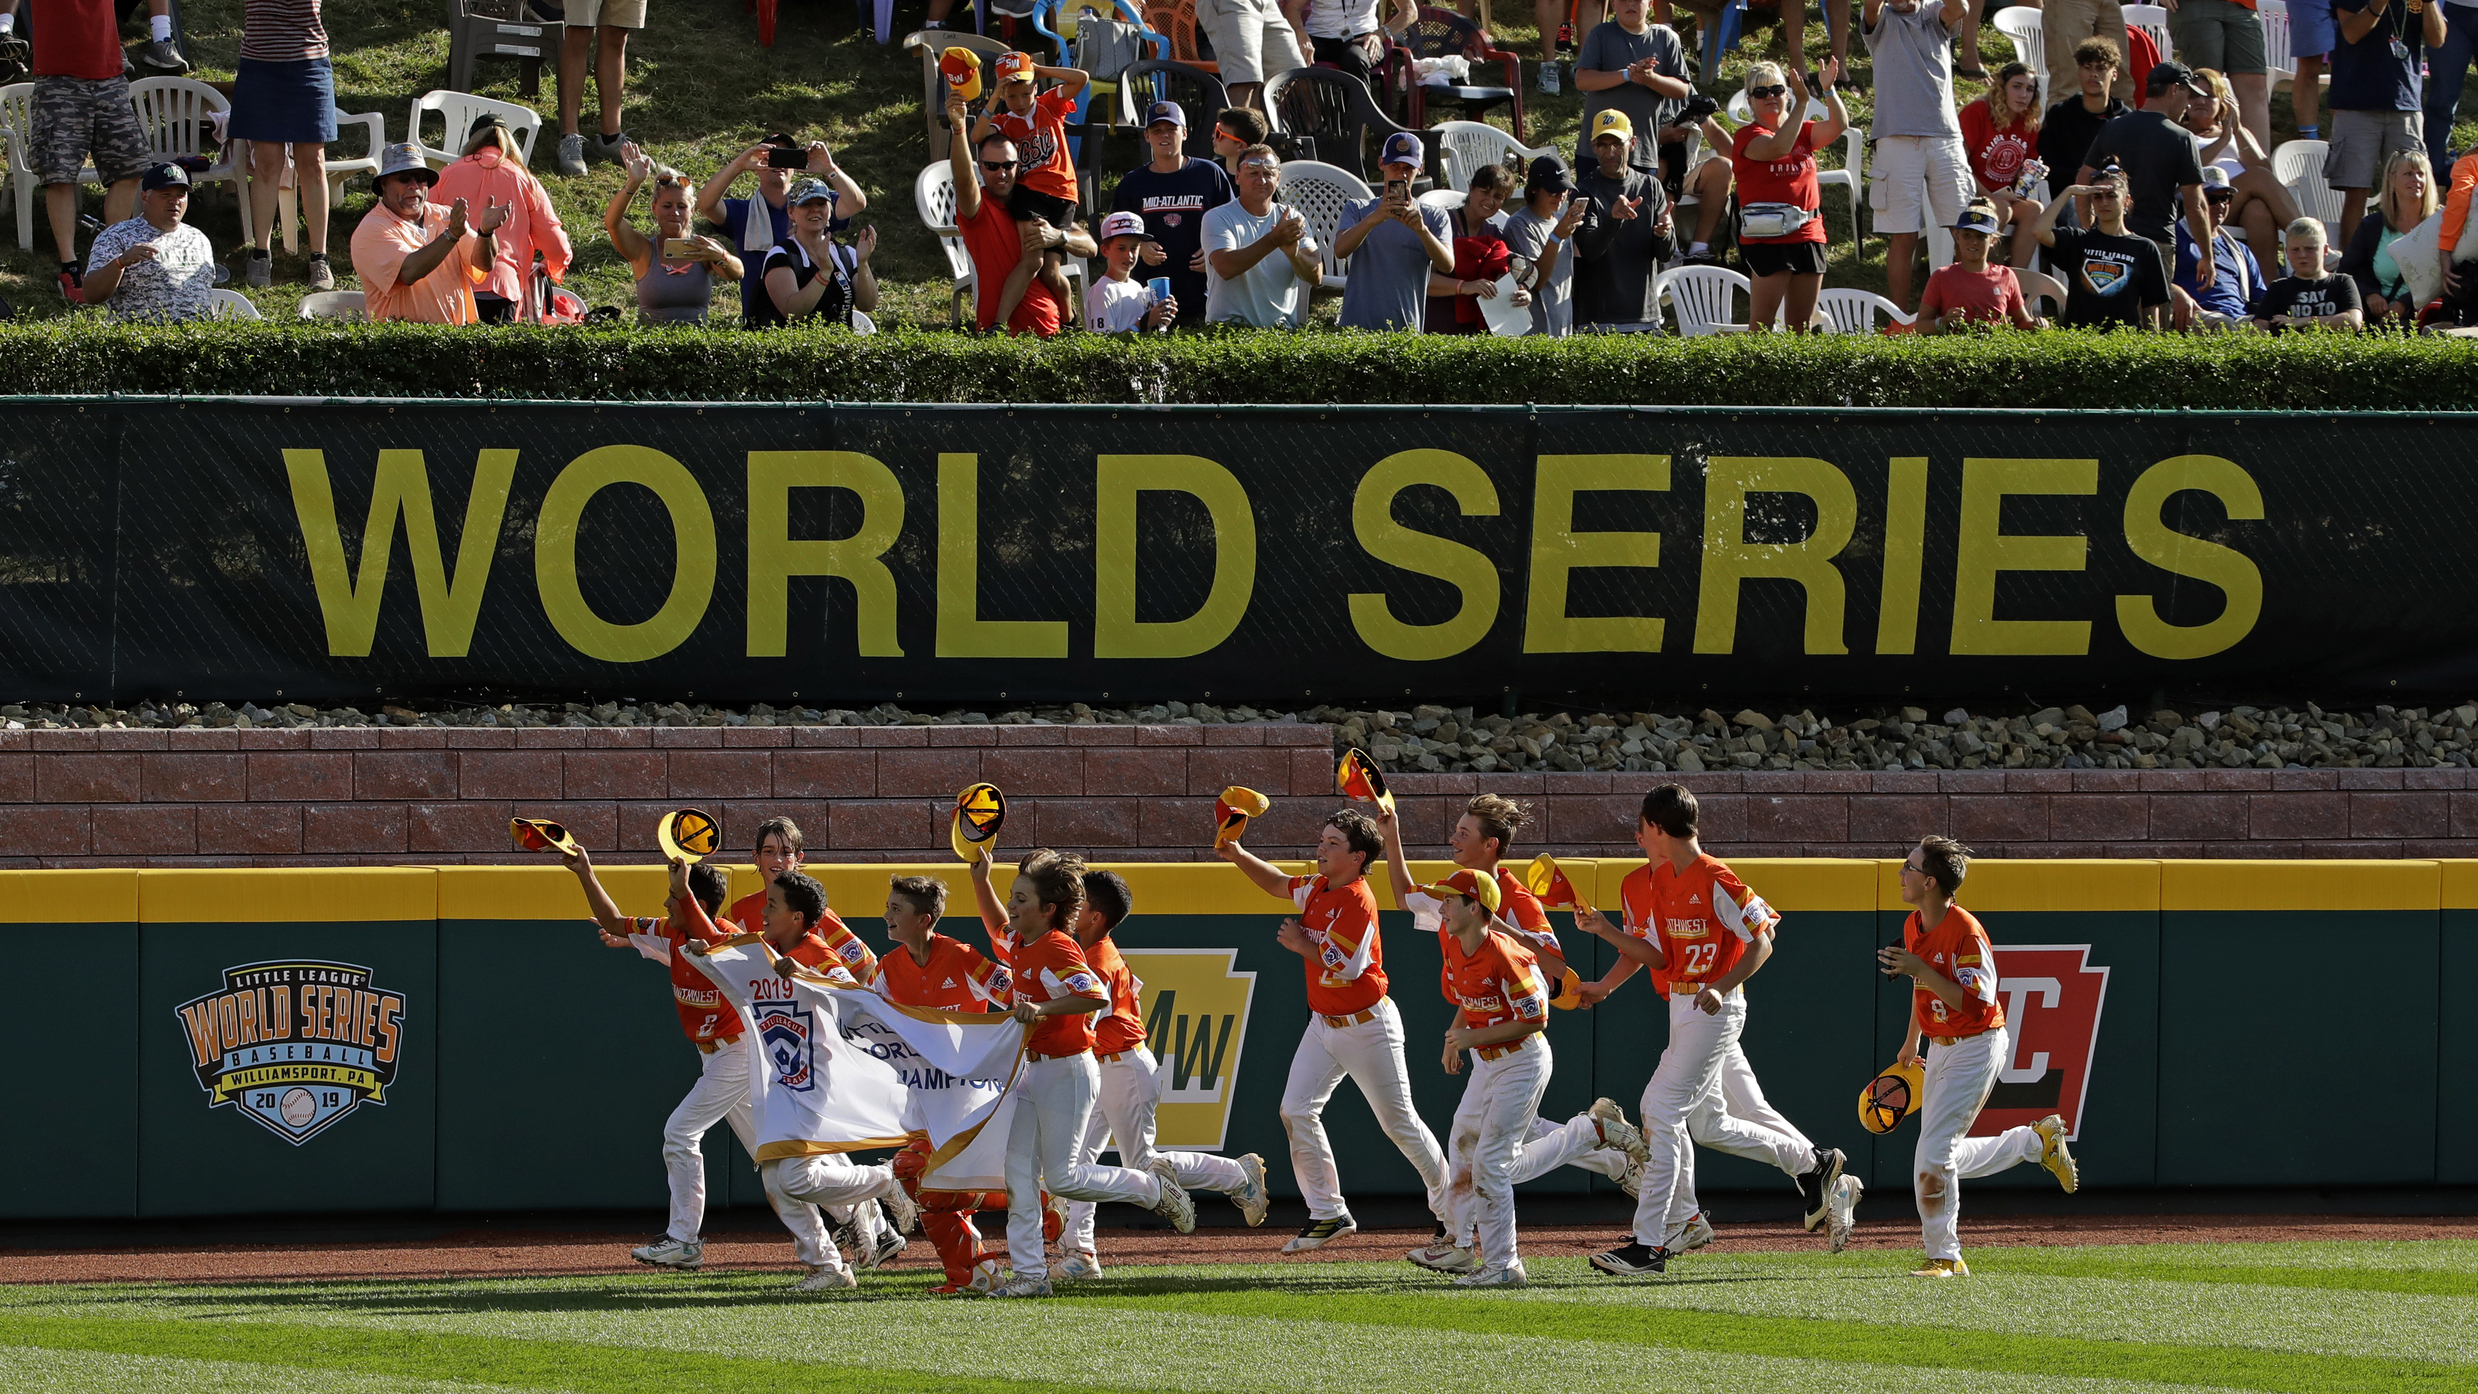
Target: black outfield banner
341 551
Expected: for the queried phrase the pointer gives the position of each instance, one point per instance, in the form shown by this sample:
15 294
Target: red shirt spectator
1789 180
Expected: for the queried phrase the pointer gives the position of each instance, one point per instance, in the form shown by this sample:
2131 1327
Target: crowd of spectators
2162 215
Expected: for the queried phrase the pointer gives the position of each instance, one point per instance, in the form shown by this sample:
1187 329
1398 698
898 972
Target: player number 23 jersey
1703 917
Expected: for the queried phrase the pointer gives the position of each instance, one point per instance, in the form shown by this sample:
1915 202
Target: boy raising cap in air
1944 952
1045 180
1354 1028
1118 301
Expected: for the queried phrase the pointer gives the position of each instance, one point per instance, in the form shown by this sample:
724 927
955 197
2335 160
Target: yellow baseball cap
1612 122
1469 884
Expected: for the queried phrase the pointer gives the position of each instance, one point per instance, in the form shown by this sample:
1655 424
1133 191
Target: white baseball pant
826 1179
1959 1077
1737 1119
1690 1068
1500 1099
1126 1095
1573 1143
721 1095
1371 1054
1053 1106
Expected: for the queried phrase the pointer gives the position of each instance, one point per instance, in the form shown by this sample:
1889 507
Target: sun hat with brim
404 159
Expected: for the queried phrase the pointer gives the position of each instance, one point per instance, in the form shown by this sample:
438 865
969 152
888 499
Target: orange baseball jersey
1121 1027
1703 917
1001 939
1517 906
1494 984
1041 143
1047 969
705 1014
1958 948
749 912
1346 968
957 978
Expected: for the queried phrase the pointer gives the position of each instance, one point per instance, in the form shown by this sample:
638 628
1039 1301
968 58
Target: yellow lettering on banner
1558 550
1905 554
1466 569
962 633
1986 550
1117 633
350 608
1729 558
775 556
692 543
2154 541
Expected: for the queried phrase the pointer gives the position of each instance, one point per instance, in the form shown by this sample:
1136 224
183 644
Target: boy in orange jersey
1130 1087
1952 970
923 968
1055 993
780 849
1354 1028
1045 181
1688 915
721 1093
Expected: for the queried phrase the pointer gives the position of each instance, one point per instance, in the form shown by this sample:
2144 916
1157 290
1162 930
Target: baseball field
2343 1314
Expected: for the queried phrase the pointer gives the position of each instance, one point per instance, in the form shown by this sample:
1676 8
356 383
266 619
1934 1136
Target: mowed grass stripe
38 1370
515 1364
1800 1338
2146 1264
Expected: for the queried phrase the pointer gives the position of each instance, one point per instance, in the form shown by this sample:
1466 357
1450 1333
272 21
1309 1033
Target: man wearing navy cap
1173 192
1391 244
154 266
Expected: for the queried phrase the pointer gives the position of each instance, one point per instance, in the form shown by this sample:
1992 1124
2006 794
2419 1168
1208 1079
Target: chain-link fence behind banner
345 551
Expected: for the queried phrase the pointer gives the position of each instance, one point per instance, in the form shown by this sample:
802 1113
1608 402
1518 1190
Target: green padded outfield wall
457 1040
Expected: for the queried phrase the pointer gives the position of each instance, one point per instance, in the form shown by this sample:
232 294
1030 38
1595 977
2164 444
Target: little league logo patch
2106 277
295 1045
2052 995
787 1032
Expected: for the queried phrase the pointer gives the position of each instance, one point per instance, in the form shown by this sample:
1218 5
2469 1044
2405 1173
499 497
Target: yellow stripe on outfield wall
68 897
2033 883
2460 888
1787 883
1159 888
547 892
2301 885
288 896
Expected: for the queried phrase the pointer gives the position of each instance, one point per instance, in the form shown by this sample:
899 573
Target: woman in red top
1055 993
1999 133
1969 291
1952 969
1780 207
1480 257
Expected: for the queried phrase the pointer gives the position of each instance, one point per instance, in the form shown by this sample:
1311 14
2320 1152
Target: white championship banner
842 1069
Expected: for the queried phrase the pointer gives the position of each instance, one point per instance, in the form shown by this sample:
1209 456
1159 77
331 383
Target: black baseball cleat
1633 1259
1320 1233
1815 1185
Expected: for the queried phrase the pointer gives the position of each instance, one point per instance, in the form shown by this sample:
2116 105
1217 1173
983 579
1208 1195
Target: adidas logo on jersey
948 983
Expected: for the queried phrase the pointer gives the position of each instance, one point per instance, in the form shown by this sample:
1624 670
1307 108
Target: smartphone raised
1398 188
781 157
679 246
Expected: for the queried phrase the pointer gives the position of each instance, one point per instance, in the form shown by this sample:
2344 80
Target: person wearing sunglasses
1780 202
2112 277
675 269
1919 169
984 184
1952 970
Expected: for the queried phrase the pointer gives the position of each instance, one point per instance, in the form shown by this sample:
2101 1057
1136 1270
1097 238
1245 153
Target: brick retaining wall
373 796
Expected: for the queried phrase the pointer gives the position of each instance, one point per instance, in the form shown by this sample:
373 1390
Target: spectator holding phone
1117 301
810 279
1541 238
1172 192
1624 236
752 226
675 269
1260 262
2112 277
1780 202
1393 243
493 170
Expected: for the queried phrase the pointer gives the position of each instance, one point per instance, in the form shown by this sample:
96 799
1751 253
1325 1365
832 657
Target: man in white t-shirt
1260 262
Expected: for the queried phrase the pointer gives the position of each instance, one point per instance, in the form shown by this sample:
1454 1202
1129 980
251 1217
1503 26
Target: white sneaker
1548 77
1080 1264
1510 1276
1320 1233
1251 1197
901 1211
1842 1215
1174 1206
1442 1258
570 159
1616 1132
667 1252
826 1279
1023 1287
1697 1234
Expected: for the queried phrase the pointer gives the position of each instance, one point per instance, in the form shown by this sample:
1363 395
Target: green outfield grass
2297 1316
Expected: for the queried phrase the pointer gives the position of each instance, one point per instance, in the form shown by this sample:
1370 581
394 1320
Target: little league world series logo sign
295 1045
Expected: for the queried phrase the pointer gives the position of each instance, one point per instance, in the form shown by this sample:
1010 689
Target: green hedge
2047 370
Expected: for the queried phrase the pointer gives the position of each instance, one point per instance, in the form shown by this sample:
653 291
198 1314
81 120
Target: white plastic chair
1849 310
1444 200
1464 146
2038 286
2298 165
288 197
458 110
1853 155
177 116
862 324
334 304
1318 191
231 304
2022 24
16 129
2152 20
933 198
1704 299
